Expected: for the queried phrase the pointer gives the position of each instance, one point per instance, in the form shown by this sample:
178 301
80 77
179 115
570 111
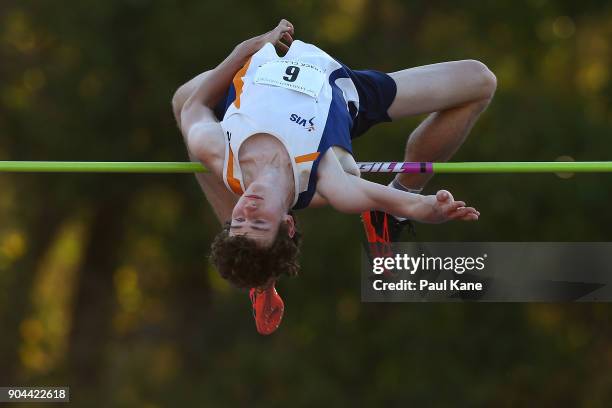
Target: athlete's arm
196 99
196 119
218 196
225 71
192 106
207 146
350 194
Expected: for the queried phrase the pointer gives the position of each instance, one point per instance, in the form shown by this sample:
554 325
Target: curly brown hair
248 265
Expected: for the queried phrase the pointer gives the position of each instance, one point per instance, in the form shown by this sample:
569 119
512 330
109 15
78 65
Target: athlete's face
258 214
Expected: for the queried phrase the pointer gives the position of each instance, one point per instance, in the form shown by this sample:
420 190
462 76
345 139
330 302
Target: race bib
295 75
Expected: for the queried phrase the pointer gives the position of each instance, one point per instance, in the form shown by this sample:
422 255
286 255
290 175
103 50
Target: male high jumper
276 135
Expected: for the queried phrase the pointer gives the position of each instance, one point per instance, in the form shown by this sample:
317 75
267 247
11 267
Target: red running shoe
268 308
382 230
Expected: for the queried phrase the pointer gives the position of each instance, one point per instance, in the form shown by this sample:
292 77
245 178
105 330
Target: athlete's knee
483 77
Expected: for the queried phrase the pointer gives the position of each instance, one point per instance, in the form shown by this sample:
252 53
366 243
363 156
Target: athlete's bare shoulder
336 162
335 167
330 172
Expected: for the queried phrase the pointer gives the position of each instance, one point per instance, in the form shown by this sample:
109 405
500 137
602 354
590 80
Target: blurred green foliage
104 283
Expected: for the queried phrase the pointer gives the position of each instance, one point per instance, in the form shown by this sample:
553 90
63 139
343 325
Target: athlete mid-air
276 134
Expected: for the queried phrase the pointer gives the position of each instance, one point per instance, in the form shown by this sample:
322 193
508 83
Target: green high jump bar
365 167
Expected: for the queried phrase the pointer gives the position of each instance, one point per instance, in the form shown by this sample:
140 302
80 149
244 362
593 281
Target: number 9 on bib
295 75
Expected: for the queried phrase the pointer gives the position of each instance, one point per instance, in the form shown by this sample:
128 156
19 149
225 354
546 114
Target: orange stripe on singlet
238 83
234 183
307 157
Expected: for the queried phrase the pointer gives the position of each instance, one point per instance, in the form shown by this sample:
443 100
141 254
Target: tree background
104 280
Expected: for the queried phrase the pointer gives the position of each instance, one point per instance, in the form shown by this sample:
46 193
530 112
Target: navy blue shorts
376 93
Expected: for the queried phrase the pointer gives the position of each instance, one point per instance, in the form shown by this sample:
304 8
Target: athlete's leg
454 93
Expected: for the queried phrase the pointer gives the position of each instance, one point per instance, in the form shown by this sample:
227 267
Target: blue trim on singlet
336 133
224 104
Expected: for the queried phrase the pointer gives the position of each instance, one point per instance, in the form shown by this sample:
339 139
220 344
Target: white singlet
301 99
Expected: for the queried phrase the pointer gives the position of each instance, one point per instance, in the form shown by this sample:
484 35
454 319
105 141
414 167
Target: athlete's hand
280 36
442 207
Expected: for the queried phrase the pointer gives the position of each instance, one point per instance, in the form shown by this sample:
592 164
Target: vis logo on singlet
308 124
